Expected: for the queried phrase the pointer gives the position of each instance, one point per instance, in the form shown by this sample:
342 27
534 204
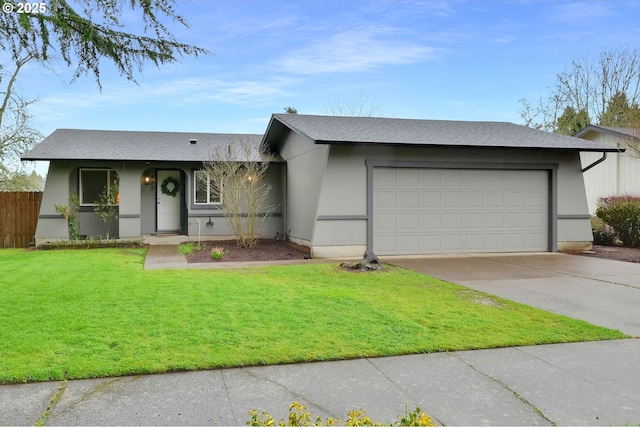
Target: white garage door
422 211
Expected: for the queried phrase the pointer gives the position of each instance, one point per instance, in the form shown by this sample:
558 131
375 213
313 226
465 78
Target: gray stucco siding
306 163
344 185
138 201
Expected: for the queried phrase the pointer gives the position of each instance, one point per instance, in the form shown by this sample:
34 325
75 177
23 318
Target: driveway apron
600 291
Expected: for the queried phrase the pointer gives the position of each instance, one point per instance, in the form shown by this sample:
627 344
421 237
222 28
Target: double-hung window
204 194
94 182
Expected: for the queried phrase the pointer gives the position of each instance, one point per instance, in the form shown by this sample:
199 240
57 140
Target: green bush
622 214
298 416
188 247
603 234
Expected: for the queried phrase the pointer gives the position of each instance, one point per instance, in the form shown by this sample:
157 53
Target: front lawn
95 313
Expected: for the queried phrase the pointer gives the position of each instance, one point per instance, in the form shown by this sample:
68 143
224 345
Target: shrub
187 248
603 234
298 416
622 214
70 213
217 253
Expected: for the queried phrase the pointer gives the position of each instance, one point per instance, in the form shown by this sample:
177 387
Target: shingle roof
612 130
339 129
78 144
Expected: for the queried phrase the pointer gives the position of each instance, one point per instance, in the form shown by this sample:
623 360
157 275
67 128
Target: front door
168 196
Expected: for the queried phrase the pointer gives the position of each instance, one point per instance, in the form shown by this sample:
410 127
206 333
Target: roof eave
584 149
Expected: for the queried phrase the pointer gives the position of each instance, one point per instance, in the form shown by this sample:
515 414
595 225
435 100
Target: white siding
618 174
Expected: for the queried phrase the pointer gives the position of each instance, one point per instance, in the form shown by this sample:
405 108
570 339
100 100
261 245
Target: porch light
147 180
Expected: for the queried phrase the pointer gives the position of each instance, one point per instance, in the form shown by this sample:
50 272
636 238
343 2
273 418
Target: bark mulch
266 250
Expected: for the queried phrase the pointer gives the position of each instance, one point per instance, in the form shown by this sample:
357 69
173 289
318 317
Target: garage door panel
409 178
493 242
409 221
455 210
473 199
472 178
430 221
535 198
494 220
514 220
409 243
451 178
474 242
430 199
494 199
409 199
386 244
452 243
513 199
386 222
453 199
386 199
430 178
452 221
431 243
385 178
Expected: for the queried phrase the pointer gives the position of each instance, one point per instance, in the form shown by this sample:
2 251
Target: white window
94 182
203 193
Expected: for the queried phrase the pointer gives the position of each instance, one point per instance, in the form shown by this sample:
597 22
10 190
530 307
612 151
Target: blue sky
455 60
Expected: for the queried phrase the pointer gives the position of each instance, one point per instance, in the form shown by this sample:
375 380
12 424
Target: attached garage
413 187
433 210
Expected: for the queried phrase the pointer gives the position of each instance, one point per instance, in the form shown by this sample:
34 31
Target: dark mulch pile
615 252
266 250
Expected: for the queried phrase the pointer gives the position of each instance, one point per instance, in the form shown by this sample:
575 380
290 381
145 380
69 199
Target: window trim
195 189
80 183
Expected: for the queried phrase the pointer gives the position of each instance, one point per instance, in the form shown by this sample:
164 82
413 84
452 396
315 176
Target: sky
435 59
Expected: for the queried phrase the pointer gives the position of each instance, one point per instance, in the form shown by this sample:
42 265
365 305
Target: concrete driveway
602 292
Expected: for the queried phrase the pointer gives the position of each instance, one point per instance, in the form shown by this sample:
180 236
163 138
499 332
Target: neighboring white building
618 173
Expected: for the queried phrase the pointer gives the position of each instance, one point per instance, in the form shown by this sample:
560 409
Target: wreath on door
170 186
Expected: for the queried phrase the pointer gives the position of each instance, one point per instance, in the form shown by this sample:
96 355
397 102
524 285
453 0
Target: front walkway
164 256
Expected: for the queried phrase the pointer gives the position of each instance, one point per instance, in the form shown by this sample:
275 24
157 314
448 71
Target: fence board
18 218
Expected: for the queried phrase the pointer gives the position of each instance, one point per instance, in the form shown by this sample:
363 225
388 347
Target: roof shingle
79 144
340 129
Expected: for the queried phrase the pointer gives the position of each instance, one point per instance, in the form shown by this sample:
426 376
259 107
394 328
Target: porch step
165 239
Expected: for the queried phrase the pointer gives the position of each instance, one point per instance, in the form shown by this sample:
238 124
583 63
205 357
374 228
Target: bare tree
17 134
588 84
237 175
357 104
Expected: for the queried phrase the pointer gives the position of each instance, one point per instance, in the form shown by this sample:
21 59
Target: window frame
195 190
109 173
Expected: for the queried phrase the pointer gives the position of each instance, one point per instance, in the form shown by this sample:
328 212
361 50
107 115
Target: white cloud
355 50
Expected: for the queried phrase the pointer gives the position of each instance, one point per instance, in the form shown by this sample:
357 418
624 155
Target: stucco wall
137 210
342 208
305 169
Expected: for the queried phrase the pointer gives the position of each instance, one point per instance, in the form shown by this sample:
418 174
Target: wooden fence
18 218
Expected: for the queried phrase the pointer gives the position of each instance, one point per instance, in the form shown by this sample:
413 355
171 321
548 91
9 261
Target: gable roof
626 133
80 144
376 130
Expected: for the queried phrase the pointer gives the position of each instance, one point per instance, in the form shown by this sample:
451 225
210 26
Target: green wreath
170 186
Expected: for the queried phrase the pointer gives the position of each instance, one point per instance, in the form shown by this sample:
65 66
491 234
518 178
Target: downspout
597 162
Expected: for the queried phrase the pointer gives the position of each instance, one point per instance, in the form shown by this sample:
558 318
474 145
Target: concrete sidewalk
592 383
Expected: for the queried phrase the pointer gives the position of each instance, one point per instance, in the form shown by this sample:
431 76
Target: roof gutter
597 162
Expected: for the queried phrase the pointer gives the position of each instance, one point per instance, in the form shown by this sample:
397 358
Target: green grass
94 313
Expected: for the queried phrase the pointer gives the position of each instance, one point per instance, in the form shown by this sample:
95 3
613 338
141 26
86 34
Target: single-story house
341 184
619 171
